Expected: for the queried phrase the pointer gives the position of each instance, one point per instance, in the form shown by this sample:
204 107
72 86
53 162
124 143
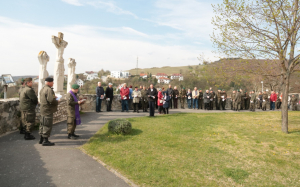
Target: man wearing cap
48 106
238 100
22 126
28 102
73 118
136 95
252 101
182 95
200 99
109 92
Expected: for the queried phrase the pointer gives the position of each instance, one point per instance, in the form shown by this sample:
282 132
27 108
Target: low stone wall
90 104
10 115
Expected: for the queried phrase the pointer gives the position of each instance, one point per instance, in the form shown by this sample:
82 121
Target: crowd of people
165 99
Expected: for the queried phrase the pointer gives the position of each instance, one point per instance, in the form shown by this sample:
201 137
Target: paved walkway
27 163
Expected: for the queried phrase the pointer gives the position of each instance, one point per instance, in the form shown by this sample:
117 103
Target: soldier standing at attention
232 100
252 101
182 95
218 99
243 100
48 106
22 128
260 100
28 102
144 99
264 100
200 99
238 100
73 118
223 101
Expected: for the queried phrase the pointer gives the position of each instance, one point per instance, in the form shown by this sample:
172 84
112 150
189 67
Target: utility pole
137 65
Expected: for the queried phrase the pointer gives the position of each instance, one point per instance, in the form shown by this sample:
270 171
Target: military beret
135 87
219 89
75 86
253 91
49 79
28 79
183 88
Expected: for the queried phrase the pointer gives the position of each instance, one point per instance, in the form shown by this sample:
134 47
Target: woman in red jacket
273 99
124 92
160 100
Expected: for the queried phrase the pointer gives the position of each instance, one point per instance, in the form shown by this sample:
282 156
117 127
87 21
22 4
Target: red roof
163 78
177 74
142 74
161 74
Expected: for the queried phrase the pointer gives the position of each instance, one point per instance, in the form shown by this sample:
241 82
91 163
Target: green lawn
221 149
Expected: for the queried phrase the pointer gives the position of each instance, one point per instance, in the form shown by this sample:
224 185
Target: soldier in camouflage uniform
232 100
265 99
238 100
73 118
252 101
182 95
22 126
247 100
28 102
218 99
144 99
48 106
294 102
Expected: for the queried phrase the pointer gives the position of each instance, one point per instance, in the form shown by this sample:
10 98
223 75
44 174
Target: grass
166 69
208 149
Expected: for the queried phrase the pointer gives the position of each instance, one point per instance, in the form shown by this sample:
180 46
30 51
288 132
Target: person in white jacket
136 95
195 96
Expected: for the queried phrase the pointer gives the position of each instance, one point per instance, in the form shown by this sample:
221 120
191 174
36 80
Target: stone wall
10 115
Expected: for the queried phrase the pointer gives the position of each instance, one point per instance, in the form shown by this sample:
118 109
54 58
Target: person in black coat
100 96
109 92
152 94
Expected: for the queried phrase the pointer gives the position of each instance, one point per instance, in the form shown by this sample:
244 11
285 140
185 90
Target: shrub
119 126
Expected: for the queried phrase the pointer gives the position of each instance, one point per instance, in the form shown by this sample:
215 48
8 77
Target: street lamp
262 86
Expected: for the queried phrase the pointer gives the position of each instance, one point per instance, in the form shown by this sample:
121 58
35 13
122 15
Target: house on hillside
163 80
177 76
91 75
159 75
143 76
79 82
119 74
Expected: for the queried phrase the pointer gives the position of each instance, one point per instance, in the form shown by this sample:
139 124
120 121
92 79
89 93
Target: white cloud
73 2
92 48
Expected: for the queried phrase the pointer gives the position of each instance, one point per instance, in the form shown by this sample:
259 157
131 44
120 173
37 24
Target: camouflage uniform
28 102
71 121
252 102
218 100
48 106
237 101
22 126
243 95
232 101
223 103
294 103
182 95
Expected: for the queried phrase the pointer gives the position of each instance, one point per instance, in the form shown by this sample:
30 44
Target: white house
159 75
91 75
163 80
144 76
79 82
119 74
177 76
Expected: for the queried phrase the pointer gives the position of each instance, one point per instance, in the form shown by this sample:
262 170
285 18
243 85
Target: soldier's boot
41 139
137 111
47 142
22 130
69 136
74 135
28 136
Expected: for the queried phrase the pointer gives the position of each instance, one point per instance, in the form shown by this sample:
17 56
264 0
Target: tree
262 29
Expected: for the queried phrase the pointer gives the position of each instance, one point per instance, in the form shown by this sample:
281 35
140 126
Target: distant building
144 76
36 80
104 78
119 74
163 80
79 82
177 76
66 77
159 75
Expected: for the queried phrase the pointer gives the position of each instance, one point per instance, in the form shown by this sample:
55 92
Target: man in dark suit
152 94
109 92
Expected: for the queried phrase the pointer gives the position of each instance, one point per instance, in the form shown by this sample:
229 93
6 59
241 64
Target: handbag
160 101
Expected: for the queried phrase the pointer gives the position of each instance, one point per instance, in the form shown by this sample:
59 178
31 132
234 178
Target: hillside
166 69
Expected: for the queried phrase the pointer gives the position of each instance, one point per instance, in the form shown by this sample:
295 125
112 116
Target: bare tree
262 29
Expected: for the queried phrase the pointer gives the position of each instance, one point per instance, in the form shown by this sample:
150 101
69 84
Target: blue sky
105 34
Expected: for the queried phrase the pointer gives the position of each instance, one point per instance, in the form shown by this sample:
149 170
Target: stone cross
59 68
71 73
43 59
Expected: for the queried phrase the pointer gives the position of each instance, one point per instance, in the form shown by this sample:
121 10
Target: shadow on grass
294 131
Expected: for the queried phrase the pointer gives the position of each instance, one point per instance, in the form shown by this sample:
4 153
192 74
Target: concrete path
27 163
